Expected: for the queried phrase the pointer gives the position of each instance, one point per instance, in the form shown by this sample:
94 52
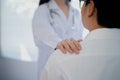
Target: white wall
16 31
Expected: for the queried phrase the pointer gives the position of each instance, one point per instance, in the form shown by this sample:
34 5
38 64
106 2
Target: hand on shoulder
69 45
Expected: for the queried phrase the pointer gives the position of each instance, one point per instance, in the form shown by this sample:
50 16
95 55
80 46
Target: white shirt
50 26
98 60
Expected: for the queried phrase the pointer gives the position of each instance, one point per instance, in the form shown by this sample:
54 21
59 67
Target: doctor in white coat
56 24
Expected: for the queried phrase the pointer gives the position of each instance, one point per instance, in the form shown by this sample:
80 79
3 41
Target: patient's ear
90 9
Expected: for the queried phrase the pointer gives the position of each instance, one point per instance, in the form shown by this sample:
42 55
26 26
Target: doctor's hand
69 45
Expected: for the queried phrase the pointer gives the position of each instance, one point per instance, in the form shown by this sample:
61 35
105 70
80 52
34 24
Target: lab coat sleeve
42 30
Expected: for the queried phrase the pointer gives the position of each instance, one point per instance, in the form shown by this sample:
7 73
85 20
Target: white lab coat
98 60
50 26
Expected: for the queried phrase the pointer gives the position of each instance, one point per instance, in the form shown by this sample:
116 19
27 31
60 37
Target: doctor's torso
65 27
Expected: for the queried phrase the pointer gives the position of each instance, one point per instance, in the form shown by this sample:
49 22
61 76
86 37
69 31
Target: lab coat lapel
54 7
71 16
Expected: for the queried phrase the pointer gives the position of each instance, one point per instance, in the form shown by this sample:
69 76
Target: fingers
66 46
74 45
79 40
69 45
61 47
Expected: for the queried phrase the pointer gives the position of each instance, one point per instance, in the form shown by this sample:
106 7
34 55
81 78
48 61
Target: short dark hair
108 14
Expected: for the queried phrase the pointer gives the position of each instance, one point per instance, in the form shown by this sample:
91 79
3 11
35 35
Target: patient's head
100 13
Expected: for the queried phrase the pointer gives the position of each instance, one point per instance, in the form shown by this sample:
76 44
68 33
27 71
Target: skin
68 45
89 16
63 6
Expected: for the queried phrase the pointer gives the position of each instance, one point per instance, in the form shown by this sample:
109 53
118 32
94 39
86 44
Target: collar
53 5
103 33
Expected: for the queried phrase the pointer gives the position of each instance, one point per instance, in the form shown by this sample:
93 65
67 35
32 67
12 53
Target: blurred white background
16 31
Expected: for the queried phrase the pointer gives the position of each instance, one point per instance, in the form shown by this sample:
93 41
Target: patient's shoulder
58 58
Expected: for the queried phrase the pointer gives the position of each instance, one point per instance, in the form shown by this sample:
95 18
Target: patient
99 58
